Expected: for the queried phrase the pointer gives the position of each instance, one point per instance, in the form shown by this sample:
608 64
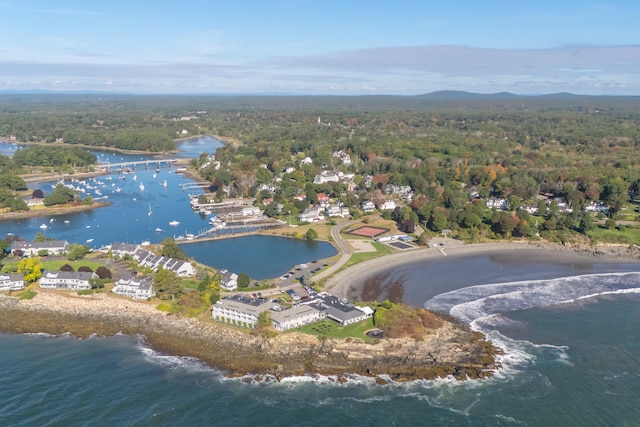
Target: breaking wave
481 301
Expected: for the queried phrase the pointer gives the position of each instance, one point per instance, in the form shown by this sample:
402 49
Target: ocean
569 360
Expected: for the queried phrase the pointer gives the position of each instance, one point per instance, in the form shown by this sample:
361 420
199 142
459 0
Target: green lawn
628 235
364 256
55 264
331 329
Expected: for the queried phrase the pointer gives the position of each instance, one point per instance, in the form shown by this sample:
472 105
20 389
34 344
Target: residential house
229 280
498 203
388 205
72 280
53 247
311 214
11 282
120 249
368 206
134 288
597 207
322 198
325 177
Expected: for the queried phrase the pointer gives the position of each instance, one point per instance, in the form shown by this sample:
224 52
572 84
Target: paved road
343 247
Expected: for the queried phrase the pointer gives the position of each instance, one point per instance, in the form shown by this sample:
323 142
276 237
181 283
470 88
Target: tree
85 269
202 199
167 284
264 319
37 194
615 194
103 272
40 237
311 234
243 280
171 249
31 268
96 282
66 267
76 251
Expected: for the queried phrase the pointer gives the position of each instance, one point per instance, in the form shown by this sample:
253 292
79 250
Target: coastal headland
448 349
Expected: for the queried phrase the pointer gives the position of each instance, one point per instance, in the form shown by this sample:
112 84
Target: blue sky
321 47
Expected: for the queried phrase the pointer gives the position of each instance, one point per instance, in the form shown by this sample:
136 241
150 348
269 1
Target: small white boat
89 240
164 184
174 223
150 211
141 187
44 226
52 219
66 221
158 230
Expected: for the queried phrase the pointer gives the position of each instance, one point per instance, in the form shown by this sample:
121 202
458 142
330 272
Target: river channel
144 209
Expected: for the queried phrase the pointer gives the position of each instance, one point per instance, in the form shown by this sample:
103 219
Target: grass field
625 234
54 265
331 329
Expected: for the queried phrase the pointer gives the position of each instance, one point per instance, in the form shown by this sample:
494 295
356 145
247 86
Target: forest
453 149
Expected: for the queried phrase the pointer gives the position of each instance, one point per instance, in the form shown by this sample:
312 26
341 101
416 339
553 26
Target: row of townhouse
11 282
70 280
136 288
147 258
53 247
244 311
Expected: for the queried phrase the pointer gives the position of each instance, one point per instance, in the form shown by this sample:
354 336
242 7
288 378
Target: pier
115 167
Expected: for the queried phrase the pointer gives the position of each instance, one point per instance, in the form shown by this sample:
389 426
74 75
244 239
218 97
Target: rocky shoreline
450 350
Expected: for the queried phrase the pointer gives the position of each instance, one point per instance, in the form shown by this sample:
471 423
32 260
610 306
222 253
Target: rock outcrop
449 350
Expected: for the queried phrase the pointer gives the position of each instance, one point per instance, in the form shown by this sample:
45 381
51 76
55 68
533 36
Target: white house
388 205
229 280
11 282
325 177
53 247
368 206
498 203
311 214
134 288
72 280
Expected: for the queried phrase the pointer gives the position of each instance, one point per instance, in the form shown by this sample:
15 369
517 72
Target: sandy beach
356 281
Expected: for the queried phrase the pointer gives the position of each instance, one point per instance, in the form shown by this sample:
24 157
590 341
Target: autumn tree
31 268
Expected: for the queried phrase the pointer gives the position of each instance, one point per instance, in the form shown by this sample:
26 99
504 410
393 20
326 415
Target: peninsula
445 349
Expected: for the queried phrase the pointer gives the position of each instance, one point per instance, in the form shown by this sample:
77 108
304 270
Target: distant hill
462 95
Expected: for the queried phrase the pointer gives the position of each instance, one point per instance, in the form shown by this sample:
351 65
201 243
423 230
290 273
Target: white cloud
399 70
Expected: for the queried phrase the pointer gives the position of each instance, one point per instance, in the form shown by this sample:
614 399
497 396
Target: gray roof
292 313
339 310
70 275
48 244
243 304
123 247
